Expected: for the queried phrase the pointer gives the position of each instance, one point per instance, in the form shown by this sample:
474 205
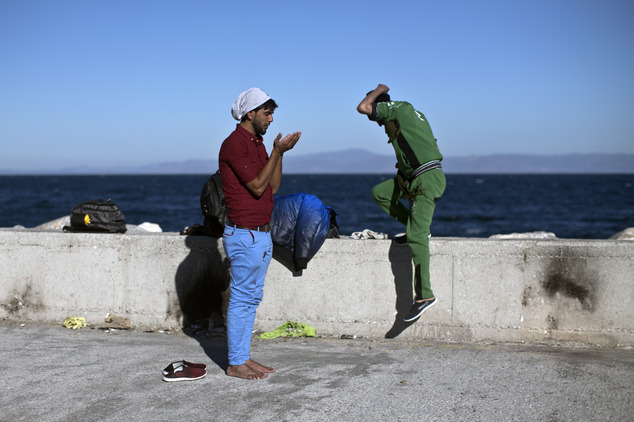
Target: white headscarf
249 100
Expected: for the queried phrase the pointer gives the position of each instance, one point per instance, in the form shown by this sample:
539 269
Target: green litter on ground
291 329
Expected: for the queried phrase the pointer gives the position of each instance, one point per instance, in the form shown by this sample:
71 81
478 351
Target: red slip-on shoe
183 373
173 365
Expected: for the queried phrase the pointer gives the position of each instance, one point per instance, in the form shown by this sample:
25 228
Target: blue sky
125 82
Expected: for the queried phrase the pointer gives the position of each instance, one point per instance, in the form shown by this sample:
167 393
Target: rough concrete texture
567 291
50 373
520 291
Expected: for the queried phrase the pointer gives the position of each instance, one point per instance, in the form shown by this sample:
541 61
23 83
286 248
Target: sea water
570 206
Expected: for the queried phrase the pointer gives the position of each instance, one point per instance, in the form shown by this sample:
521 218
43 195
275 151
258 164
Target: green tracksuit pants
425 191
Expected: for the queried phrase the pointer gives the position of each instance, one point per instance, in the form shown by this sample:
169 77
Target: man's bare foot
259 367
245 371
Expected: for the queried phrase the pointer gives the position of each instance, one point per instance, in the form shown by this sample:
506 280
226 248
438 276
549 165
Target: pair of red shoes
184 371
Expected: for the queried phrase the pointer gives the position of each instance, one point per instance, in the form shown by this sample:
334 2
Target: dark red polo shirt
242 157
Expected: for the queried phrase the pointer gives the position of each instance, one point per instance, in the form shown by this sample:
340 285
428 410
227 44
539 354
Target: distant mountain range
357 161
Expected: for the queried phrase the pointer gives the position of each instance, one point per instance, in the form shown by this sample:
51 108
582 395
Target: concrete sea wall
552 291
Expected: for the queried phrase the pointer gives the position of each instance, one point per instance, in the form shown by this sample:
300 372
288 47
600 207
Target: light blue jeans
250 254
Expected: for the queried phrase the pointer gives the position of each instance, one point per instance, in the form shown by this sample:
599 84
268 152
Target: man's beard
260 129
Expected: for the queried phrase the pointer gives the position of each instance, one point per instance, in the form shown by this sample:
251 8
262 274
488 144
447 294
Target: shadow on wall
401 263
202 281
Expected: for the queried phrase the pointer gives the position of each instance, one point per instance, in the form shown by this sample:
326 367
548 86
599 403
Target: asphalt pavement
52 373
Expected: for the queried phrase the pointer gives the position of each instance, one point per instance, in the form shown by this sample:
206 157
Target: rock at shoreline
57 224
532 235
150 227
627 234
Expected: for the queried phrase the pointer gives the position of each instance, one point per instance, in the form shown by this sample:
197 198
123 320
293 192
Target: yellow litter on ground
74 322
291 329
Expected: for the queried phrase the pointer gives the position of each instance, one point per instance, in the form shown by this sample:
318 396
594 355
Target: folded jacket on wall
300 223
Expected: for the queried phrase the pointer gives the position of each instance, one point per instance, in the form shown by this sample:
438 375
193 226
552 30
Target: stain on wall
22 300
526 295
569 276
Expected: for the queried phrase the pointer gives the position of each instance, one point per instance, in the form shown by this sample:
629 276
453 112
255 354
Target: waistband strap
264 228
431 165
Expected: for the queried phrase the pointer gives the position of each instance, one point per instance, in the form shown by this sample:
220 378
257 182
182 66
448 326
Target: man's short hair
382 98
268 105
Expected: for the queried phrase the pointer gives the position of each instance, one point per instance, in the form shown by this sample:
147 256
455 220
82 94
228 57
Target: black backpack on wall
99 215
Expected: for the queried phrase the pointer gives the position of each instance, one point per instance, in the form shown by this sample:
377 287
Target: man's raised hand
287 143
